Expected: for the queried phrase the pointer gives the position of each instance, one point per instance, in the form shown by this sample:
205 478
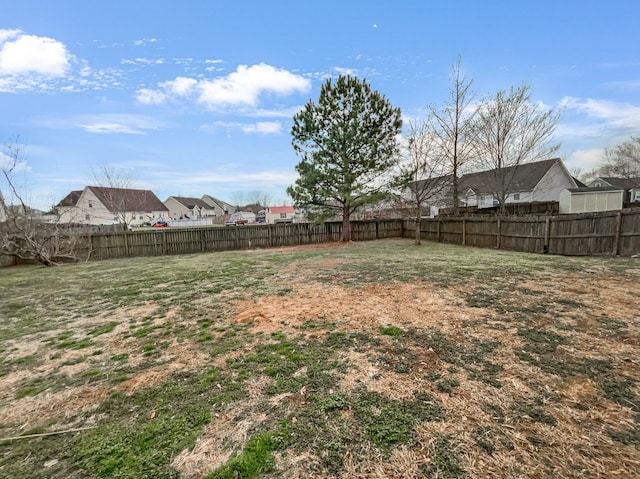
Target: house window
87 217
140 217
283 215
516 196
90 204
495 202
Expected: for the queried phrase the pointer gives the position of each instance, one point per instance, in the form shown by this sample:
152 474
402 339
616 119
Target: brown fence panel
629 232
481 232
602 233
522 234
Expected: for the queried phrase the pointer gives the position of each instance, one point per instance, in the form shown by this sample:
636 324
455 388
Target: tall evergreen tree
347 143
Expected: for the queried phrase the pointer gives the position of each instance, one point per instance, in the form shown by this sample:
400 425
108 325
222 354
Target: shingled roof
626 183
125 199
523 177
71 199
191 203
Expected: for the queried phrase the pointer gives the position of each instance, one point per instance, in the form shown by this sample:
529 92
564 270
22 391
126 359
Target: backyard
375 359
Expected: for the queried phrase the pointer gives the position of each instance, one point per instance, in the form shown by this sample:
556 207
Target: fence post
464 232
498 235
438 232
616 242
545 246
126 243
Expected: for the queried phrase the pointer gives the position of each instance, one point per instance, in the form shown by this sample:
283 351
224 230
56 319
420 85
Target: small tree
421 171
623 160
115 184
452 127
21 235
510 130
347 142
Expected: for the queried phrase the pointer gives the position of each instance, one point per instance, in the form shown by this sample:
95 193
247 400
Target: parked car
160 224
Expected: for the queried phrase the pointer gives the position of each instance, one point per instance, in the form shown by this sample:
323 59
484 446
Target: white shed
585 200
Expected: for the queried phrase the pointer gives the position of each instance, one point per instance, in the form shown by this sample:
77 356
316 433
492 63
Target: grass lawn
372 359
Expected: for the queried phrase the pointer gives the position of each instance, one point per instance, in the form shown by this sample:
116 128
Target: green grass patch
256 459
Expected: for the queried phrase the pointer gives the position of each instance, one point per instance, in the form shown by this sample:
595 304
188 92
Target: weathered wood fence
168 241
602 233
606 233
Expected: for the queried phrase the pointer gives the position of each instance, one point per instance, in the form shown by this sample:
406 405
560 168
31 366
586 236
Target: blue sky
197 97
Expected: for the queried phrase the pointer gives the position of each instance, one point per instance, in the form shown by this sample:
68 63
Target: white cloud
621 115
344 71
181 86
22 54
260 127
263 127
119 124
247 83
150 97
586 160
144 41
240 88
107 128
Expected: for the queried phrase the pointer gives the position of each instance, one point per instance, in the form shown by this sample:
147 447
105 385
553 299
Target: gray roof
191 203
523 177
626 183
213 202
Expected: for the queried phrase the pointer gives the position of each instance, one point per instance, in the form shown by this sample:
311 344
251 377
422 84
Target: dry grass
535 367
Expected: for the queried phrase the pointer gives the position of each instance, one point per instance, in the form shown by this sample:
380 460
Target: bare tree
510 130
259 197
115 184
23 236
623 160
452 127
421 171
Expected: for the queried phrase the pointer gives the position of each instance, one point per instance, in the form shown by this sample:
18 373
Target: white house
279 214
220 208
207 207
586 200
181 207
538 181
98 205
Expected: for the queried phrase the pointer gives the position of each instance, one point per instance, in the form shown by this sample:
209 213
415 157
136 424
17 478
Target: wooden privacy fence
168 241
609 232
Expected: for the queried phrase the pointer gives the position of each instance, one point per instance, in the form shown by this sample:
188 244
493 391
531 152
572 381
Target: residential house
67 210
631 187
220 208
98 205
539 181
279 214
181 207
587 200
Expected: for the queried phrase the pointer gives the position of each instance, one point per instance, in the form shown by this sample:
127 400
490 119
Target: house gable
97 205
